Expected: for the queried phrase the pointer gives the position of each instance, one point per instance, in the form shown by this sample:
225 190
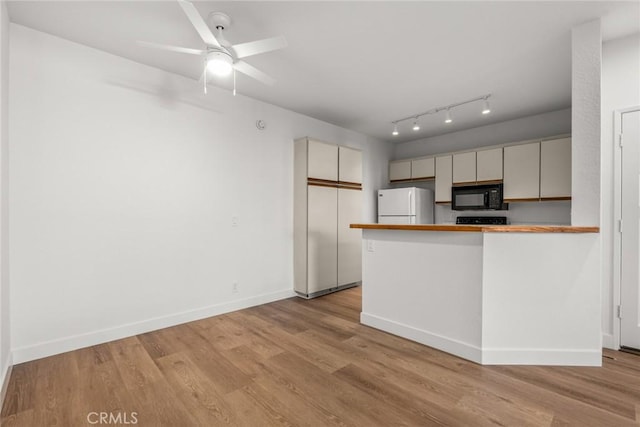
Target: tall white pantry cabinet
327 199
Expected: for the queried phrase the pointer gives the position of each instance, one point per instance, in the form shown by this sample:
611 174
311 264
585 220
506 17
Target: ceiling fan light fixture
219 63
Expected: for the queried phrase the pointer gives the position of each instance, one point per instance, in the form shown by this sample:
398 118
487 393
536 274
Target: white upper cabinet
400 170
555 169
350 165
522 172
444 174
464 168
423 168
322 161
489 165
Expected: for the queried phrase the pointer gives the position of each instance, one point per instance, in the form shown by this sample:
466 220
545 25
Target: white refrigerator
405 206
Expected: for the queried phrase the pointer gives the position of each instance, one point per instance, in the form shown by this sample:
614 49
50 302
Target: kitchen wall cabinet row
533 171
327 199
412 170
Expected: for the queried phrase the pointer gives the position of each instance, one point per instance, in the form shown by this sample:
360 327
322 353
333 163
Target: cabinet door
489 165
464 168
555 169
522 172
400 170
322 238
423 168
350 165
323 161
349 239
444 174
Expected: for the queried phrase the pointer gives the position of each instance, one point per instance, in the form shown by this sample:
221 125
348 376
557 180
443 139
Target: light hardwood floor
297 362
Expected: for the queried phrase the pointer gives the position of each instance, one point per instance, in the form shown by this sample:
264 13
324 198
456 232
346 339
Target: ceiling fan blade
171 48
196 20
251 71
259 46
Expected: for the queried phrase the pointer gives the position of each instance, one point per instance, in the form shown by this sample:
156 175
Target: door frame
617 216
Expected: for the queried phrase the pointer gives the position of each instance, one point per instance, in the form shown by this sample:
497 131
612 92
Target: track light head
485 106
447 117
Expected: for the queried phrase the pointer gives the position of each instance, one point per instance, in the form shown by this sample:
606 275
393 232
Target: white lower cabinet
322 232
349 239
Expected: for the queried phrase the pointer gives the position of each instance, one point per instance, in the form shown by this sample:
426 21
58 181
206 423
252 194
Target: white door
323 161
349 239
350 165
630 254
395 202
322 238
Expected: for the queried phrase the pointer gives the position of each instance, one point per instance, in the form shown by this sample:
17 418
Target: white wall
620 89
525 128
586 64
124 180
5 321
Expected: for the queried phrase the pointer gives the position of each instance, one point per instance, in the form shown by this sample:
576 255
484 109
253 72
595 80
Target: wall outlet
370 246
234 221
234 288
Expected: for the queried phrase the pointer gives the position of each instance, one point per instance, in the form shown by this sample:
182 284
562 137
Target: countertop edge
481 228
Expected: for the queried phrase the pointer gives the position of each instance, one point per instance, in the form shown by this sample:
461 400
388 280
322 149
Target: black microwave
477 198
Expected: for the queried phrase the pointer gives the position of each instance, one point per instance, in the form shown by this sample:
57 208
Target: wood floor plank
196 391
302 362
152 397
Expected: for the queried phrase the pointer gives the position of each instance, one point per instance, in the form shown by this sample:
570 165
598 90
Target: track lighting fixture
485 106
447 117
446 108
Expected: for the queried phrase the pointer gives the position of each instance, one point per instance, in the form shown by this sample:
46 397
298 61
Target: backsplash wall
539 213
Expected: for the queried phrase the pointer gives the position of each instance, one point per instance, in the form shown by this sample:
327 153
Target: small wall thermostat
261 124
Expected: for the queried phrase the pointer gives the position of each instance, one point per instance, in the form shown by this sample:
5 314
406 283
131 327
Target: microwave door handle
486 199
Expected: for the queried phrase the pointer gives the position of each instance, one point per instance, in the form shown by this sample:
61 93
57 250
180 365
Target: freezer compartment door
405 219
396 202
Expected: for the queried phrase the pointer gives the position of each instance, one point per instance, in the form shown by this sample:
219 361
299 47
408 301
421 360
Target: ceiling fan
221 57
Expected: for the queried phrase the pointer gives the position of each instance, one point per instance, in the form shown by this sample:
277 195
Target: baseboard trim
538 356
458 348
608 341
5 376
494 356
62 345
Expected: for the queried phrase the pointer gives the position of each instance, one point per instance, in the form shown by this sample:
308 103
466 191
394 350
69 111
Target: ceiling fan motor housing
219 20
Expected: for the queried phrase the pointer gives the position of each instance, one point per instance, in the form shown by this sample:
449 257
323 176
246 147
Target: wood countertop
481 228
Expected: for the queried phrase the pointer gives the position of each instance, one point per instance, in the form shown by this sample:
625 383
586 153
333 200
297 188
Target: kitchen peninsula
490 294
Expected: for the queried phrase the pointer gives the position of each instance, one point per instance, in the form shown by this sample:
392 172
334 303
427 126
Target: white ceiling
360 64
